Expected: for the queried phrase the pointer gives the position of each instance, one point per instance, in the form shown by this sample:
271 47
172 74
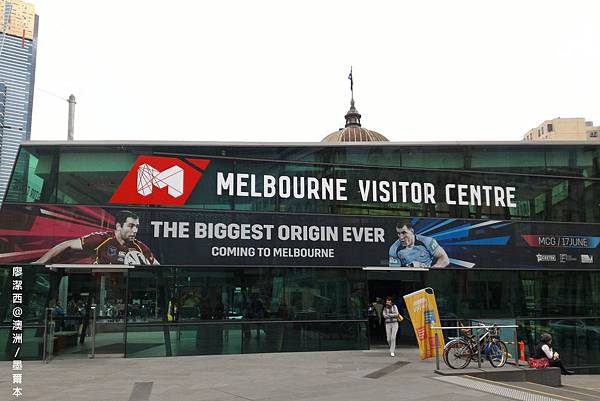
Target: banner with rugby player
46 234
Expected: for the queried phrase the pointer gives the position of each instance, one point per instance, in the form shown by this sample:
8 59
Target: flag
351 80
424 315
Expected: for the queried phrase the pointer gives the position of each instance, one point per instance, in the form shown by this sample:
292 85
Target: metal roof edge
301 144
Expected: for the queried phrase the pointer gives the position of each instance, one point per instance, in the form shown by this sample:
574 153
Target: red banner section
155 180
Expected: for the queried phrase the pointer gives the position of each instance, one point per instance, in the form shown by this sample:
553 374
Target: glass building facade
18 48
519 222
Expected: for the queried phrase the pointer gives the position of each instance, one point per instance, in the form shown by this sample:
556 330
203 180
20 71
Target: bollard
437 354
522 350
45 344
93 353
517 350
478 350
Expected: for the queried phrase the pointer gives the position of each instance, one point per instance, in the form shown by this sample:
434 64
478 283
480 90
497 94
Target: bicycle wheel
497 353
450 344
457 354
445 351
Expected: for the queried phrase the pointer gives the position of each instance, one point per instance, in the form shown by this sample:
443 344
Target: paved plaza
343 375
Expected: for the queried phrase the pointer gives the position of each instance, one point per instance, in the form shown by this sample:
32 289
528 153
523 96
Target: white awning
396 269
94 268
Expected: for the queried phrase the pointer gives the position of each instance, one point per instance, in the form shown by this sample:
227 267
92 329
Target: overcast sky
277 70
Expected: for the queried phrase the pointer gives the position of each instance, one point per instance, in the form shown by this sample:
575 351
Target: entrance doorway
88 309
395 285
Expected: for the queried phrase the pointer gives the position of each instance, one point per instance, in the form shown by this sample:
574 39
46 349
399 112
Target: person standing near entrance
59 316
392 317
83 310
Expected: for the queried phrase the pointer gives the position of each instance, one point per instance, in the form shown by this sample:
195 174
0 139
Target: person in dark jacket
84 310
544 350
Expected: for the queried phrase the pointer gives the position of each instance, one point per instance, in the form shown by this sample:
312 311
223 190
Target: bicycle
459 352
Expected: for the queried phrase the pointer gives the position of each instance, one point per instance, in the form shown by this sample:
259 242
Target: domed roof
353 132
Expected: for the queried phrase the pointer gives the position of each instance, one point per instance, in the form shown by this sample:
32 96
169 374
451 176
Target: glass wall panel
506 294
576 339
564 304
536 197
36 292
191 294
434 158
91 178
182 339
503 159
218 338
529 158
552 183
34 176
191 311
31 348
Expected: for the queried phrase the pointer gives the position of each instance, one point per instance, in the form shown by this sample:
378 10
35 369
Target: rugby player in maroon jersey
109 247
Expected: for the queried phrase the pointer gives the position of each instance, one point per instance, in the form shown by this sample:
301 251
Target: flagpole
351 85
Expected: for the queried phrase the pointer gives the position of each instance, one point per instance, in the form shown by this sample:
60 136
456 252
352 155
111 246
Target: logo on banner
564 258
587 258
148 177
157 180
546 258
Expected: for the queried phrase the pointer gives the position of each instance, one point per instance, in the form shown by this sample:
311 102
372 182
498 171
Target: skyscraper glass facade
18 44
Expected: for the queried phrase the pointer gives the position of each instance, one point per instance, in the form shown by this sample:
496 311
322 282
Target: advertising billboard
46 234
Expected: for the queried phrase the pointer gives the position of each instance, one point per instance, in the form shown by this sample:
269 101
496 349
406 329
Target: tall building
564 129
18 45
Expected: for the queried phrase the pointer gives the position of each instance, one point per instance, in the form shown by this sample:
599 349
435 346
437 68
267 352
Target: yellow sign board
424 315
21 18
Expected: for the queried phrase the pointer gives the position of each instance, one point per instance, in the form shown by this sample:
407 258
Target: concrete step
548 377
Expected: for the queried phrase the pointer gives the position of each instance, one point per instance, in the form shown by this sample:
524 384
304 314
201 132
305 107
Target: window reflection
188 294
505 294
552 183
34 177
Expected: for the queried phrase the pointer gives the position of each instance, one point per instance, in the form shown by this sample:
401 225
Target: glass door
89 314
110 314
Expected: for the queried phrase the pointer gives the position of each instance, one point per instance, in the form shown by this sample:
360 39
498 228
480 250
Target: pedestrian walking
392 317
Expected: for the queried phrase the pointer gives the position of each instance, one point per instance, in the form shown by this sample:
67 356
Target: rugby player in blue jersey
413 250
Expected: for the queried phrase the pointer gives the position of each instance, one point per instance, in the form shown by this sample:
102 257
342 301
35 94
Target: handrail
566 317
512 326
25 326
240 321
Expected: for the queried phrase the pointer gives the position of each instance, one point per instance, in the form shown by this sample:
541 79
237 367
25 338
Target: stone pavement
342 375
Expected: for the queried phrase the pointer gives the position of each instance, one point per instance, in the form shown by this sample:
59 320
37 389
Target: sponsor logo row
564 258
